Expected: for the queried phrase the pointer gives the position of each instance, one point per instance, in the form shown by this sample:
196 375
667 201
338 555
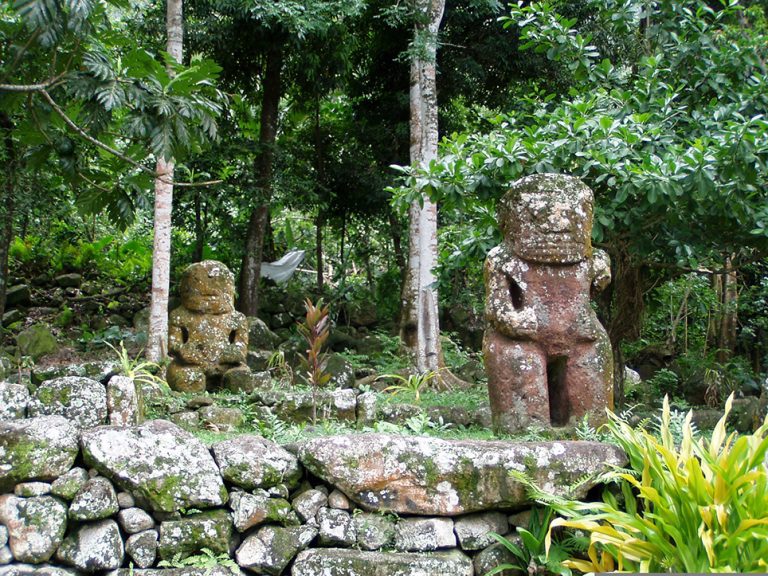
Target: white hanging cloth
282 270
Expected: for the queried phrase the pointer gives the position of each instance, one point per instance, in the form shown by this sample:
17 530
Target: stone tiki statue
207 338
547 356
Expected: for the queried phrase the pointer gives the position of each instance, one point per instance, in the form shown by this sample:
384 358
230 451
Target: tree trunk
250 274
157 342
197 255
729 298
7 203
420 331
319 223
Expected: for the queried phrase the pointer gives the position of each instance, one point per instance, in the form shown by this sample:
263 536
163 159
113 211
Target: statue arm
500 308
600 269
235 352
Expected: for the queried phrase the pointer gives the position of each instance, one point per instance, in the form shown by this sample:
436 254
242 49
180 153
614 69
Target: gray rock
188 421
258 360
341 371
339 500
374 531
158 462
249 510
188 535
80 400
424 534
93 370
13 401
19 295
125 500
31 489
338 405
260 337
221 418
367 409
251 462
135 520
142 548
70 483
473 530
496 555
35 526
308 503
6 557
31 570
124 403
336 528
36 341
72 280
341 562
96 500
12 316
35 449
449 477
93 547
272 548
3 535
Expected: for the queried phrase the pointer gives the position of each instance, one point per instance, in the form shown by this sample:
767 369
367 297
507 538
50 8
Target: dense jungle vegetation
288 123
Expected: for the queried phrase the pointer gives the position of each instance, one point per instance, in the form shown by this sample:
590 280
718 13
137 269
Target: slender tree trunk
197 255
157 343
420 330
319 223
726 341
250 274
8 203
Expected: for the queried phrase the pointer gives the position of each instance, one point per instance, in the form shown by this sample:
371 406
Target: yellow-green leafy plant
413 384
700 506
139 370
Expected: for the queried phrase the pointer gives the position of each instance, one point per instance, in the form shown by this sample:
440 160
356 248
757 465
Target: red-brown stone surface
547 356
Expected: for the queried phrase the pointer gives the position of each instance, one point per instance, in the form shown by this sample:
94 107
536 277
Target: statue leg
185 378
517 384
589 381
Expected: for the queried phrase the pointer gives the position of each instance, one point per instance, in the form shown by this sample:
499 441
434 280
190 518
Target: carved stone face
547 218
208 287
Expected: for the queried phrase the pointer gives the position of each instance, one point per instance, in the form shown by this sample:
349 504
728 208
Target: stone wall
78 498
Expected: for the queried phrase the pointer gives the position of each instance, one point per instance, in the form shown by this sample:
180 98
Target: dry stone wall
136 499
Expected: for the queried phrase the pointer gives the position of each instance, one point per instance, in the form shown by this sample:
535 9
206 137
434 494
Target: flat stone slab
434 477
158 462
344 562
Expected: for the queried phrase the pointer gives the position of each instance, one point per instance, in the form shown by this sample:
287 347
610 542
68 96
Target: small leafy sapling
315 329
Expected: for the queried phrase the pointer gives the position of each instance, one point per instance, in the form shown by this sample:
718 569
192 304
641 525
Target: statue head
208 287
547 218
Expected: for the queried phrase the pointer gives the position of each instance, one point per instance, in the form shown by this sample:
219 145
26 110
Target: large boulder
429 476
13 401
271 548
82 401
93 547
165 467
36 341
338 405
254 462
345 562
260 337
35 526
41 448
188 535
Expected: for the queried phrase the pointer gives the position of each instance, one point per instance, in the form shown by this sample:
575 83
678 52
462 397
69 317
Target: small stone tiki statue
207 338
547 356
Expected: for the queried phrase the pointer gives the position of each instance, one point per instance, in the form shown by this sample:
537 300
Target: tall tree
420 330
161 248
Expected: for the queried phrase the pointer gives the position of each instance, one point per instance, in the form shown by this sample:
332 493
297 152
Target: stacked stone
131 498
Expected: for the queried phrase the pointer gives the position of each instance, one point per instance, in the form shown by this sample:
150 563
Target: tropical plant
530 555
696 507
207 560
139 370
412 384
315 329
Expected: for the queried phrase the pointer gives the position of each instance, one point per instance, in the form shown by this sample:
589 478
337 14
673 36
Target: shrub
697 507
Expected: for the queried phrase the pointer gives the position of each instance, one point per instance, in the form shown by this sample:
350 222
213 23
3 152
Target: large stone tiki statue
207 338
548 358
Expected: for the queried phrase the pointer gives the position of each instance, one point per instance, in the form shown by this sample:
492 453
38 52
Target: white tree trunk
157 343
420 326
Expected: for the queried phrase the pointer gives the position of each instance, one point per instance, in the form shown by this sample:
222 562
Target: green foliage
138 370
412 384
694 507
664 382
531 556
207 560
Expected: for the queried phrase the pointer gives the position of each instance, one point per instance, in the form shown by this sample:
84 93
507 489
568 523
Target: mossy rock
36 341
